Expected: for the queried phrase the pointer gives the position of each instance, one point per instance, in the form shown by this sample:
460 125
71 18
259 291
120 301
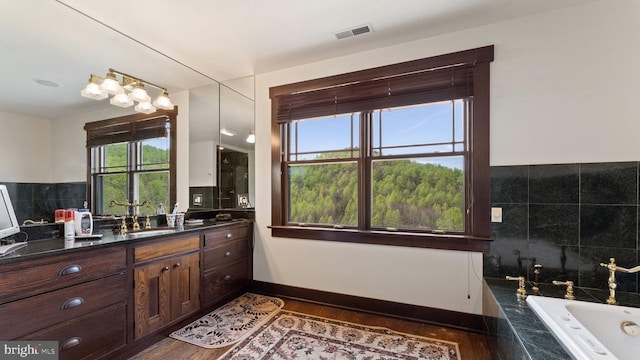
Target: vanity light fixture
126 91
251 138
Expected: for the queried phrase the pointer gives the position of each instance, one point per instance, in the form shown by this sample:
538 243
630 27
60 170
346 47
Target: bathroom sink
591 330
147 233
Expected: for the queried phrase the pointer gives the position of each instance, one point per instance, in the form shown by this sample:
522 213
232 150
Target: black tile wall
37 201
567 217
553 184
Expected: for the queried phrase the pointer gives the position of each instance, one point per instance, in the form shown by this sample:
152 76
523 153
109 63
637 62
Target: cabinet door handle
227 278
69 343
166 268
228 236
71 303
228 253
177 265
70 269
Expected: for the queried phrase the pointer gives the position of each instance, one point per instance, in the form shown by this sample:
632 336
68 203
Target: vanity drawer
165 248
90 336
18 318
222 281
225 253
213 238
32 277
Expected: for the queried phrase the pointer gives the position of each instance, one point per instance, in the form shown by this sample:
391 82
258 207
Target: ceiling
186 44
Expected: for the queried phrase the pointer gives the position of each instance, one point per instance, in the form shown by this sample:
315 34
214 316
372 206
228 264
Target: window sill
419 240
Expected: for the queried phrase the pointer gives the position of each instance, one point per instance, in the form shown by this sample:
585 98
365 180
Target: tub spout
611 266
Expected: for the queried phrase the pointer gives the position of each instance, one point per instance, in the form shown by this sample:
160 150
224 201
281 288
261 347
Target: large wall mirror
221 166
48 60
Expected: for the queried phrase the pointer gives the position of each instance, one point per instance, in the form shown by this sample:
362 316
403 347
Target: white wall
563 85
69 143
25 148
181 100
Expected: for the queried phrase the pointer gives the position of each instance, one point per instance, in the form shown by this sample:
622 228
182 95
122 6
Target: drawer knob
227 278
70 269
166 268
69 343
228 236
73 302
228 253
177 265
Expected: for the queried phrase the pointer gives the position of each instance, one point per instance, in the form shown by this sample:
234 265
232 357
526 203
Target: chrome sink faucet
612 278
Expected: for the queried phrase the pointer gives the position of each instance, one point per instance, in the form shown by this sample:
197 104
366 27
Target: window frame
476 237
133 150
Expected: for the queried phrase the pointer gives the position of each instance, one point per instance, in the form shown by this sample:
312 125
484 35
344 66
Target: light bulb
139 94
110 85
163 102
93 90
145 108
121 100
251 138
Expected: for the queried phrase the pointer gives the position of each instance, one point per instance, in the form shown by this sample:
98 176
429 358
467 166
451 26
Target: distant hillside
406 194
153 187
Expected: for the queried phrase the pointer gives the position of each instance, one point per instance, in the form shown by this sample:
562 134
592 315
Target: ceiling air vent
353 32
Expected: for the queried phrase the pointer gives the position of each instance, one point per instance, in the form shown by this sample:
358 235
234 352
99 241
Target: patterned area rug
231 322
290 335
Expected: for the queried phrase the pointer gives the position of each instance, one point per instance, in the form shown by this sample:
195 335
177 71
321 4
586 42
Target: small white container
83 222
69 227
171 220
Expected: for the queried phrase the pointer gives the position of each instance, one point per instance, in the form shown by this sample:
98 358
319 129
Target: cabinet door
152 297
185 284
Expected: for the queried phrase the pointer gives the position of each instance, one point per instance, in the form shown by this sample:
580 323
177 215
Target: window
395 155
132 159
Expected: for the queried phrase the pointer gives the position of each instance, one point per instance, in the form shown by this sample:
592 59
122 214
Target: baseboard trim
454 319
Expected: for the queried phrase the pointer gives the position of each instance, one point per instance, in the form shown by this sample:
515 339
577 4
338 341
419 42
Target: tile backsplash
567 217
35 201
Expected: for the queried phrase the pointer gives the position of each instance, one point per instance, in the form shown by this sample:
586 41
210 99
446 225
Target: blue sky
401 126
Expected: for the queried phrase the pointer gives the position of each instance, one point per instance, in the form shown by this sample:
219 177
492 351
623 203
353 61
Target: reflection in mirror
204 124
219 169
42 139
236 153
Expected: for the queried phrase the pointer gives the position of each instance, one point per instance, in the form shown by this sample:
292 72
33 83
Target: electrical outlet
496 214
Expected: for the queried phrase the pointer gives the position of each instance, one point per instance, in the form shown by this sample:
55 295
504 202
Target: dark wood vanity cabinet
78 299
166 282
227 262
102 302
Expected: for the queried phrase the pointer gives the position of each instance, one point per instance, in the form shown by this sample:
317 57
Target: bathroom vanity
107 298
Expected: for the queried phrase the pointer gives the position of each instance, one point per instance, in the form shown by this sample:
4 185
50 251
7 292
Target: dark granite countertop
534 337
47 247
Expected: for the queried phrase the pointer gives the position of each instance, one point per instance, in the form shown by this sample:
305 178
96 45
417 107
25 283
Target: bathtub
591 330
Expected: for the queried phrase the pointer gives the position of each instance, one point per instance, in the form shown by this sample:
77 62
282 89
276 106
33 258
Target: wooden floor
472 346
